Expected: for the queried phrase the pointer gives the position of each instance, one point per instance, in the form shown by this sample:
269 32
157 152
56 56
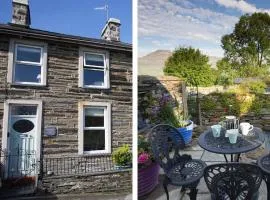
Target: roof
47 35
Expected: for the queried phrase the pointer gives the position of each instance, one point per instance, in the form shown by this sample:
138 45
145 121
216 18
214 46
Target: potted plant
122 157
148 169
185 127
173 116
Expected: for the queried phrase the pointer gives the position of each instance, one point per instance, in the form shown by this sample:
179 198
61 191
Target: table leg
238 157
231 157
225 158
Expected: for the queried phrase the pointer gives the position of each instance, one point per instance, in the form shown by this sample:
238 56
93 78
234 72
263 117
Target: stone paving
203 194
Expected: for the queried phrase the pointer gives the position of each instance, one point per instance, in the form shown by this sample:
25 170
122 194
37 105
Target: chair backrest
233 181
166 143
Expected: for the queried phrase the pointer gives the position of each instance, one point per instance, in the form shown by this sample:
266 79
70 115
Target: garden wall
208 90
253 108
155 87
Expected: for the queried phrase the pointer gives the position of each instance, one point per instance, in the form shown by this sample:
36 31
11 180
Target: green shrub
122 156
208 103
228 100
251 71
143 145
170 115
256 107
257 87
266 80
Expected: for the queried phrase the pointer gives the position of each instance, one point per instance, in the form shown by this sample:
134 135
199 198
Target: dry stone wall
215 113
155 87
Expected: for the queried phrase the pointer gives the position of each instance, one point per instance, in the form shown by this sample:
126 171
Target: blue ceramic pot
186 132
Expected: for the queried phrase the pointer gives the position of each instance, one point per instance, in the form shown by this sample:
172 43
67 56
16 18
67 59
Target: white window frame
106 68
12 60
107 127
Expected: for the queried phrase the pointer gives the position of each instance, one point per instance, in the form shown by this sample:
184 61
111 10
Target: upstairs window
94 69
27 63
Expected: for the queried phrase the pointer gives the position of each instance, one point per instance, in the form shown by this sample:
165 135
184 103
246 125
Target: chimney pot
111 31
21 13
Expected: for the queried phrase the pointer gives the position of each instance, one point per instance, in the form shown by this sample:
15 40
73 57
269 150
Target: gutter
46 36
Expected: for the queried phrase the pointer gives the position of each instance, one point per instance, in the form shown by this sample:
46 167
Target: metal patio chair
233 181
180 169
264 164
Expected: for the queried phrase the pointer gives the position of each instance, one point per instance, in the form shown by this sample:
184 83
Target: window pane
93 59
27 73
94 117
23 110
94 140
93 77
23 126
30 54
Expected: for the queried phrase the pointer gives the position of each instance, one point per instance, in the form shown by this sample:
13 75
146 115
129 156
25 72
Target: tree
226 73
249 44
192 65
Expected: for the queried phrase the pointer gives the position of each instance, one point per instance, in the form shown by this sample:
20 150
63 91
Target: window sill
95 87
88 154
28 85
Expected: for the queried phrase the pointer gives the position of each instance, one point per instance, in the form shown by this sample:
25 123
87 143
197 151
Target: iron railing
24 164
18 170
18 164
77 165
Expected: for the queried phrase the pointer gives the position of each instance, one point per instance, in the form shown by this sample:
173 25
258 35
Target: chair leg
267 181
193 193
183 189
165 184
193 190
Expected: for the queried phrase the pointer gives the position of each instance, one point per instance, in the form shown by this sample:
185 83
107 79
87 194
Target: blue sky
167 24
76 17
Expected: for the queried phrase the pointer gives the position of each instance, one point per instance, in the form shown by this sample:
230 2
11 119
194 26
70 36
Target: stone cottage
65 105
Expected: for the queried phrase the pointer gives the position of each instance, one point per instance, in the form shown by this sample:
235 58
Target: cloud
182 22
170 20
241 5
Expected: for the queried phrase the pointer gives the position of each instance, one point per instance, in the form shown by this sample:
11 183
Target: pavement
83 196
203 193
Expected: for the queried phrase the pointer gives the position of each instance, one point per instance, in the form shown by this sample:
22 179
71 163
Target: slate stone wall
61 96
107 182
155 87
259 119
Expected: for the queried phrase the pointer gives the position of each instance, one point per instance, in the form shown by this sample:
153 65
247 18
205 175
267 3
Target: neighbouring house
65 105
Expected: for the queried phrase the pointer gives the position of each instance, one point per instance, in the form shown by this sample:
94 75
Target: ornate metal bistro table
264 164
221 145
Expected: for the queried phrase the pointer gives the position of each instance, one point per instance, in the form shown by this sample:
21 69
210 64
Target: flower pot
186 132
121 167
147 179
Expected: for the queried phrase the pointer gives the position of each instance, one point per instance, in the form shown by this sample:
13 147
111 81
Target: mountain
153 63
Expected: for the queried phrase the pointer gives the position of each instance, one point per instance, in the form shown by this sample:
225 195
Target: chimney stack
21 13
111 31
